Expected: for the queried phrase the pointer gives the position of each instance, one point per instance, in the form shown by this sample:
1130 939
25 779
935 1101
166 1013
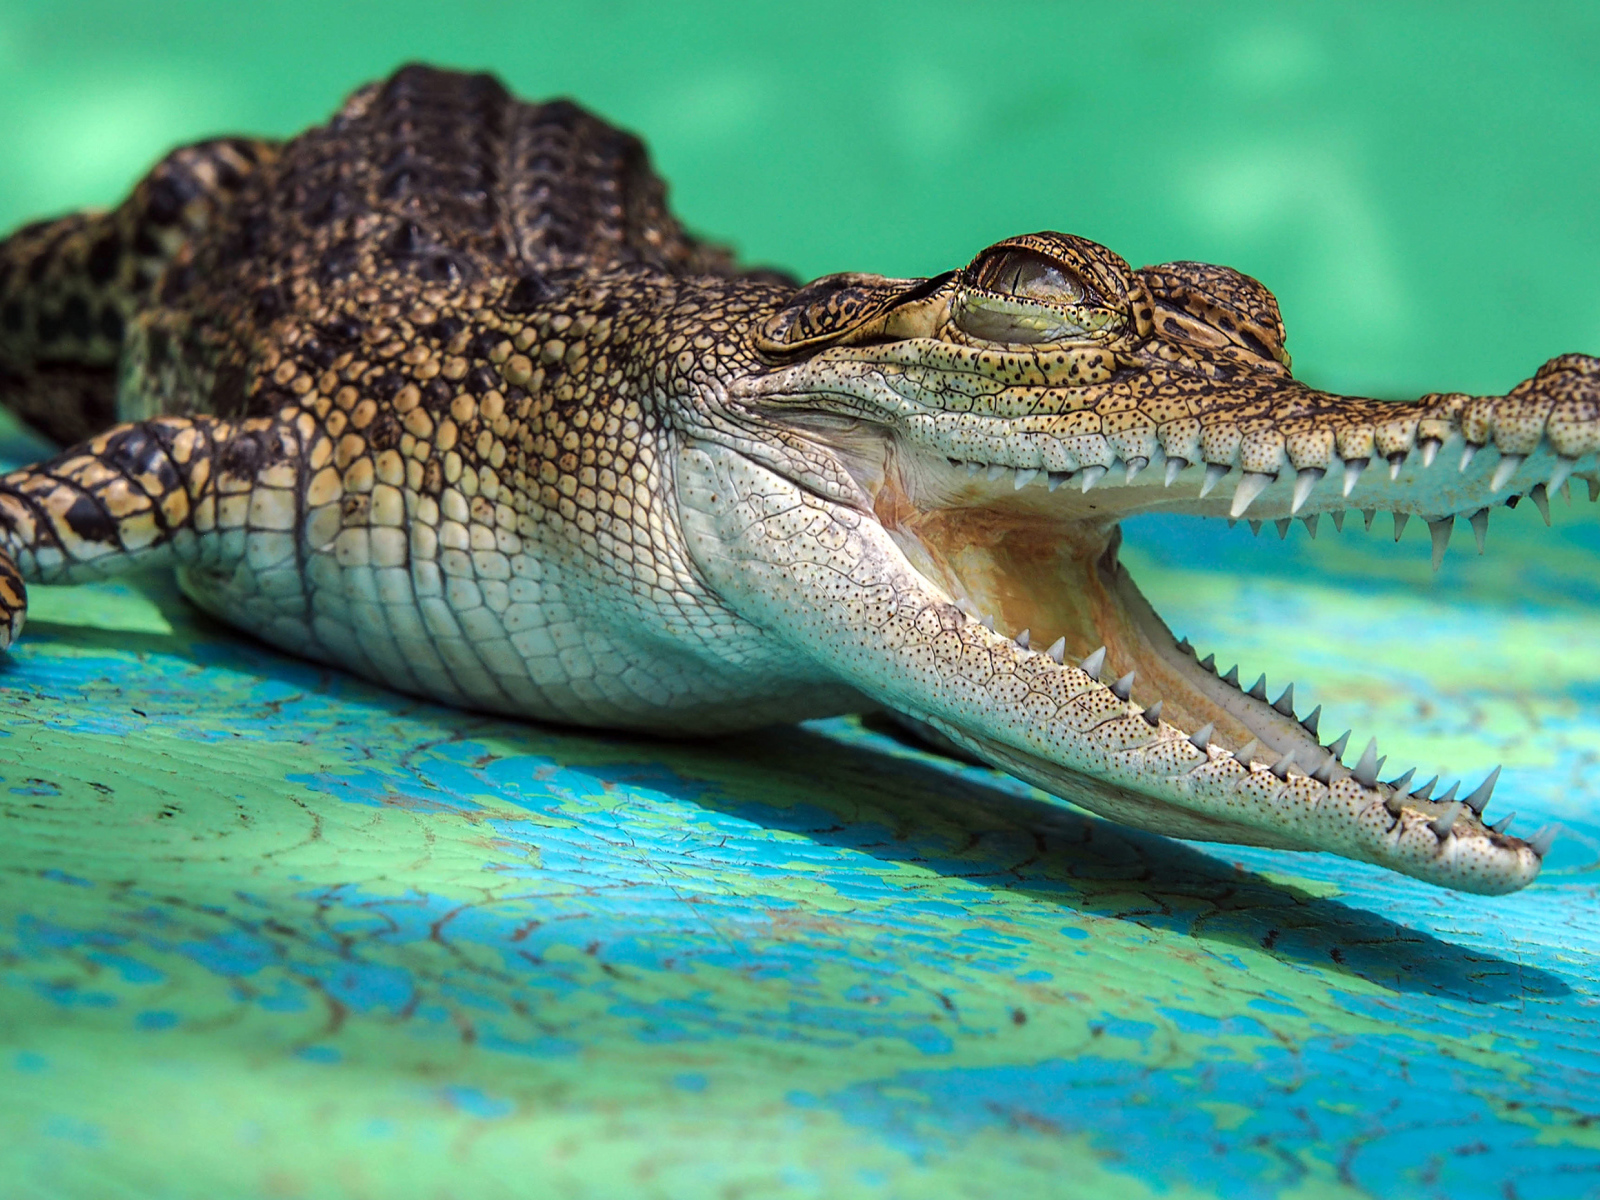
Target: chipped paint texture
269 931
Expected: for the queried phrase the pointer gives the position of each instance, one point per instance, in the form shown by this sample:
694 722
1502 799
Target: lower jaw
1059 580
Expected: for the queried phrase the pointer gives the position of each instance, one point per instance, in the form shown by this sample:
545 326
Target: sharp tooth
1023 479
1247 752
1450 796
1283 524
1312 718
1400 520
1123 687
996 470
1285 702
1352 472
1444 824
1366 515
1560 472
1209 662
1255 528
1092 476
1201 738
1336 747
1366 771
1259 689
1214 474
1093 663
1396 461
1186 648
1594 488
1307 479
1480 527
1174 466
1251 485
1152 715
1441 530
1232 677
1393 805
1540 496
1503 824
1338 521
1430 448
1024 638
1541 842
973 468
1504 470
1132 467
1404 781
1058 649
1467 453
1426 790
1311 525
1057 478
1479 800
1281 767
1324 773
987 621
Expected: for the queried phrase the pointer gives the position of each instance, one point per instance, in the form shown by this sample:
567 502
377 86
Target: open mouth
1001 421
1033 555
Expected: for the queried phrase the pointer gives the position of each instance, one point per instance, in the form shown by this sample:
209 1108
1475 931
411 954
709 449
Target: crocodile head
969 444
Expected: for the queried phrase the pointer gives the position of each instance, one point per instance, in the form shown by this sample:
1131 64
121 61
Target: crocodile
441 393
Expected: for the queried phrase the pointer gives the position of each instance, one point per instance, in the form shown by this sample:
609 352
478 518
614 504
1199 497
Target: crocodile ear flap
842 309
1233 307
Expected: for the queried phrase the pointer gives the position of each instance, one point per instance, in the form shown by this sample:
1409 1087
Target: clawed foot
13 602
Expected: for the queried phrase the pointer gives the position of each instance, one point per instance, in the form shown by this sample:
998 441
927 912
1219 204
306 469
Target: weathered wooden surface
269 931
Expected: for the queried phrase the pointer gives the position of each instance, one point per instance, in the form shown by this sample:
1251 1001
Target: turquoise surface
268 931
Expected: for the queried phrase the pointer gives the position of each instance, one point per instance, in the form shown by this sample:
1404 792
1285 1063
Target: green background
267 931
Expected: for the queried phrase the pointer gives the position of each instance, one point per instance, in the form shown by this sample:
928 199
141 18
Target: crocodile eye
1017 296
1028 277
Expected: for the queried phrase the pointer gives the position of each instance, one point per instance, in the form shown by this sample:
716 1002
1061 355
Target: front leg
196 491
828 580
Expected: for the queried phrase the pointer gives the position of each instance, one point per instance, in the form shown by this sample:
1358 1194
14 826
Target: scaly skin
442 394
